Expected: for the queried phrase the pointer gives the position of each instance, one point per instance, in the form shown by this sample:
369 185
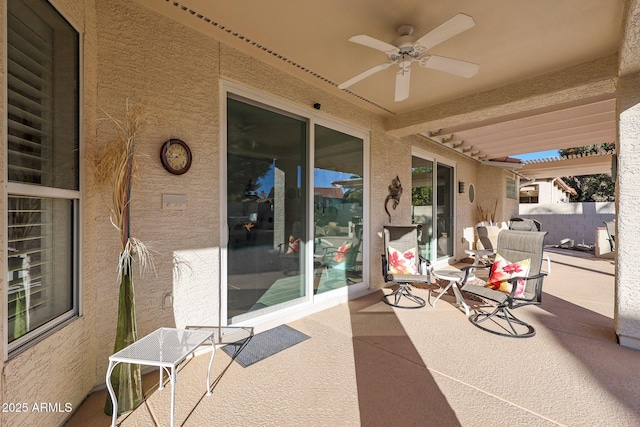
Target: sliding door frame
313 302
426 155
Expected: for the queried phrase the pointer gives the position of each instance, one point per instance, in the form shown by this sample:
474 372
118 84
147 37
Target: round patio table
454 277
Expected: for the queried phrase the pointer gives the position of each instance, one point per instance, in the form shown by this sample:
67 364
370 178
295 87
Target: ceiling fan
407 49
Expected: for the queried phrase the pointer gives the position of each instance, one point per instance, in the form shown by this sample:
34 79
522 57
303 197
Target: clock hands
175 156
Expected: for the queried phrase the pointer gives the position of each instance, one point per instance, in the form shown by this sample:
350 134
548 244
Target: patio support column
627 299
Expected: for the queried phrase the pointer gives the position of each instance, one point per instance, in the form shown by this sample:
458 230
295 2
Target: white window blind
42 159
30 76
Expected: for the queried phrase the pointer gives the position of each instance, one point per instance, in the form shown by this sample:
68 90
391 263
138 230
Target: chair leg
404 290
507 323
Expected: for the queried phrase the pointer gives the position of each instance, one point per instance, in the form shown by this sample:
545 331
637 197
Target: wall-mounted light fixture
460 187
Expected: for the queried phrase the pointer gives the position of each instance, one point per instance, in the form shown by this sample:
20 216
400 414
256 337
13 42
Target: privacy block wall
577 221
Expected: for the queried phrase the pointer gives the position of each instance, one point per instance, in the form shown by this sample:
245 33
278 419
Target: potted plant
116 168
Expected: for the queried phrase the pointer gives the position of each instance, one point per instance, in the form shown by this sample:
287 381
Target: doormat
253 349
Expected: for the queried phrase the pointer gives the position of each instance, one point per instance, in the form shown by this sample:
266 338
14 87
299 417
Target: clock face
175 156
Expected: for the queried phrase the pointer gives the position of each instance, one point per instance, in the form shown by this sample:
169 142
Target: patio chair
524 224
514 249
402 264
486 243
345 256
611 232
487 236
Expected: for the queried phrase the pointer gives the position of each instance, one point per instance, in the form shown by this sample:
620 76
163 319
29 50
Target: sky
538 155
322 178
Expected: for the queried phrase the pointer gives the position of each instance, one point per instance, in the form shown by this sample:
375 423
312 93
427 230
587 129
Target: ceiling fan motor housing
405 44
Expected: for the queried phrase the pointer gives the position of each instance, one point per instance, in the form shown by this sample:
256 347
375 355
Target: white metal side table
480 255
165 348
453 276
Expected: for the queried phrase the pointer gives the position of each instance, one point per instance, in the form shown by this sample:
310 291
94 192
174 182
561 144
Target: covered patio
247 226
369 364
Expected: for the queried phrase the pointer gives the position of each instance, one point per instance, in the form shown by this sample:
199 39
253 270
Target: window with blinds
42 170
29 93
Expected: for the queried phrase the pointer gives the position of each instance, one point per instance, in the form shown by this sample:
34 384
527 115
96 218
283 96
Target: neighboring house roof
531 188
328 192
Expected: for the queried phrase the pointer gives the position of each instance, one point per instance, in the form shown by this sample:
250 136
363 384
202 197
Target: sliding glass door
337 209
432 206
266 209
422 203
295 197
444 210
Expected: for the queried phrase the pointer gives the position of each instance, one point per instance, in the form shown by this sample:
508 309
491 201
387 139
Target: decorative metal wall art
395 192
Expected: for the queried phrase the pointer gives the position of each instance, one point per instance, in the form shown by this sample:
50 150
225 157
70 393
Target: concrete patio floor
372 365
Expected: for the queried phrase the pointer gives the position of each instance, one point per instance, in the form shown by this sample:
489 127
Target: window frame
13 188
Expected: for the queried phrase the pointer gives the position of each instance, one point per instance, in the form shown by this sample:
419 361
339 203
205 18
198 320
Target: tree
591 188
422 196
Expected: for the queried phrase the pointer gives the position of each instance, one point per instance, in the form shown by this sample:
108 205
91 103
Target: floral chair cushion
502 269
341 253
294 245
401 262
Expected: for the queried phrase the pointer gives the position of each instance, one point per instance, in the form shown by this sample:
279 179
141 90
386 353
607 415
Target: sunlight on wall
196 293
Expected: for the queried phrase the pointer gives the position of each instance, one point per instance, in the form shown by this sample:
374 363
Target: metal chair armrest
514 287
424 267
385 268
468 269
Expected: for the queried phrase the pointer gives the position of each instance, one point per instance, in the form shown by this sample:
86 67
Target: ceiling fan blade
373 43
450 65
364 75
403 79
445 31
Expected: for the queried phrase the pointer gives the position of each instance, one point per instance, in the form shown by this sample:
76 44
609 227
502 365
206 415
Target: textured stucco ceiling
513 41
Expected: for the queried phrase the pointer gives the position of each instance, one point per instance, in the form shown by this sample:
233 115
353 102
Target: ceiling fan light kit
407 49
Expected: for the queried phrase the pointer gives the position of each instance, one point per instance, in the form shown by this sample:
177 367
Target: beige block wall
59 370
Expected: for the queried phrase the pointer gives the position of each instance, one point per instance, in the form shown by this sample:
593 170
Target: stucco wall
577 221
492 192
628 202
60 368
147 58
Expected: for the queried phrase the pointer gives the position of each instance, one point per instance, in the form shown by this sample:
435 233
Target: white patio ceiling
513 41
568 166
585 122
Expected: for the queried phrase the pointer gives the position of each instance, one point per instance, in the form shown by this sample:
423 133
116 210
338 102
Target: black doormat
253 349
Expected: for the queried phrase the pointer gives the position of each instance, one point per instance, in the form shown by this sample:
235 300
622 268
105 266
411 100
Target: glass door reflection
422 202
338 209
266 205
444 211
432 207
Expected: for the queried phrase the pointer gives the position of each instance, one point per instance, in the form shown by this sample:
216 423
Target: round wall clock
175 156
